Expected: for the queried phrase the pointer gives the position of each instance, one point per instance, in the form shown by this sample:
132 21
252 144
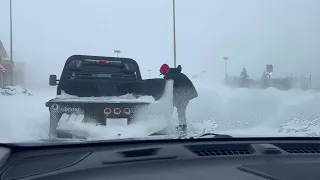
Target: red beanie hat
164 69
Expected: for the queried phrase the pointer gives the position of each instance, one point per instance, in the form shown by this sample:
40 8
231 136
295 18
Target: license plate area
119 122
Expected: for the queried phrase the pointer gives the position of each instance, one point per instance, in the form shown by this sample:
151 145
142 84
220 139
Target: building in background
6 69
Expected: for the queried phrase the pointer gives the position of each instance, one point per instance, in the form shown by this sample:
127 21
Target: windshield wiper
206 135
215 135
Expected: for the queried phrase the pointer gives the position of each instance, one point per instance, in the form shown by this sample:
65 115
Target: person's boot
182 130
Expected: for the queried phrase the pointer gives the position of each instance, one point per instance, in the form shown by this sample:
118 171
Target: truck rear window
100 69
99 76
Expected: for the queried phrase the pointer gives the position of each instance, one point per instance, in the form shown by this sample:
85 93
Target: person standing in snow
183 92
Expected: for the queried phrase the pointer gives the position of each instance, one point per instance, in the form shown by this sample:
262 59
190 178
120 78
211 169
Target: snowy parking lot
238 112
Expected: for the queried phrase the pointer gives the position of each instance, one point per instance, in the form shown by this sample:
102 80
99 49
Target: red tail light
102 62
126 111
107 111
54 106
117 111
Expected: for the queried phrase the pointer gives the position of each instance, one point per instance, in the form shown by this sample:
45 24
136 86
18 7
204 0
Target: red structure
6 69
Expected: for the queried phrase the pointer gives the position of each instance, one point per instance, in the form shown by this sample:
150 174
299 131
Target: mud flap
67 134
64 127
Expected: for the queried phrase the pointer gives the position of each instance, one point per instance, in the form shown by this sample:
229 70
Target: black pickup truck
100 90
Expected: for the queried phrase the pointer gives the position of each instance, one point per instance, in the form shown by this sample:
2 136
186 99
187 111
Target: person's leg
181 109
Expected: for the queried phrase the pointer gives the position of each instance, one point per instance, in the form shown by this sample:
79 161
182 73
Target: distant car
90 88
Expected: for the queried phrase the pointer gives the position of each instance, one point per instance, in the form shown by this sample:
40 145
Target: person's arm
191 87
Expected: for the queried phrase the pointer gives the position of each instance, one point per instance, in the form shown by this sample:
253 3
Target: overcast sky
252 33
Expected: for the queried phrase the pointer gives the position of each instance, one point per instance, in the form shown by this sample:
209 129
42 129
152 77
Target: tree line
284 83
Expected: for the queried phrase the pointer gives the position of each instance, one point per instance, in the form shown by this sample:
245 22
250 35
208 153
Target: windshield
107 69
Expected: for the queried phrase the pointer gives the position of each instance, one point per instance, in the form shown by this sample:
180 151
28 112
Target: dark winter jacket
183 88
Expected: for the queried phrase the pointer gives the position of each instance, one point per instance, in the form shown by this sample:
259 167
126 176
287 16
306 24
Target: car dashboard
190 159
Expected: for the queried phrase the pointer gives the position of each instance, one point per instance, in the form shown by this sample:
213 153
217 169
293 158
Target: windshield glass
89 70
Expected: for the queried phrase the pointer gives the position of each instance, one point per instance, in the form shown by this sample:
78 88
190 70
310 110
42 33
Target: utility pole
225 66
11 46
174 33
310 82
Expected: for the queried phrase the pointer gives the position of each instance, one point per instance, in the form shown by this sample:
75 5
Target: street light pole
149 72
225 66
174 33
310 81
11 50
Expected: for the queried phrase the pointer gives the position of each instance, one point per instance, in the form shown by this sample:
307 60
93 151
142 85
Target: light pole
174 33
11 50
225 66
149 72
117 52
310 81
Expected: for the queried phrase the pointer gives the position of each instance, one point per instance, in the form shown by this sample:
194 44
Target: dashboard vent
302 151
221 150
300 148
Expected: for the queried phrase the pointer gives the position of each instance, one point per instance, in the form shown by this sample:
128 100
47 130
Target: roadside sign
269 68
117 51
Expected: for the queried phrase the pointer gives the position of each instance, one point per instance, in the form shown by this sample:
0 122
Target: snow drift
15 90
239 112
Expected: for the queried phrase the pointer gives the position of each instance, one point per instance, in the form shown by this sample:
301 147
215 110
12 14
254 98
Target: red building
6 69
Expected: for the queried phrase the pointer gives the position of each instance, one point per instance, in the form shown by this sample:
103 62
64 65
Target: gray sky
251 33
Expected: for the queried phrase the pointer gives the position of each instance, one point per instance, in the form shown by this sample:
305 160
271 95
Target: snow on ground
64 97
249 112
15 90
238 112
24 117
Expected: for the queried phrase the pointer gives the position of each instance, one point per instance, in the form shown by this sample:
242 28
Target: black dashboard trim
126 156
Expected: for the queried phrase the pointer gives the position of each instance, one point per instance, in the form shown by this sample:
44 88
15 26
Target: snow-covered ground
238 112
24 117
